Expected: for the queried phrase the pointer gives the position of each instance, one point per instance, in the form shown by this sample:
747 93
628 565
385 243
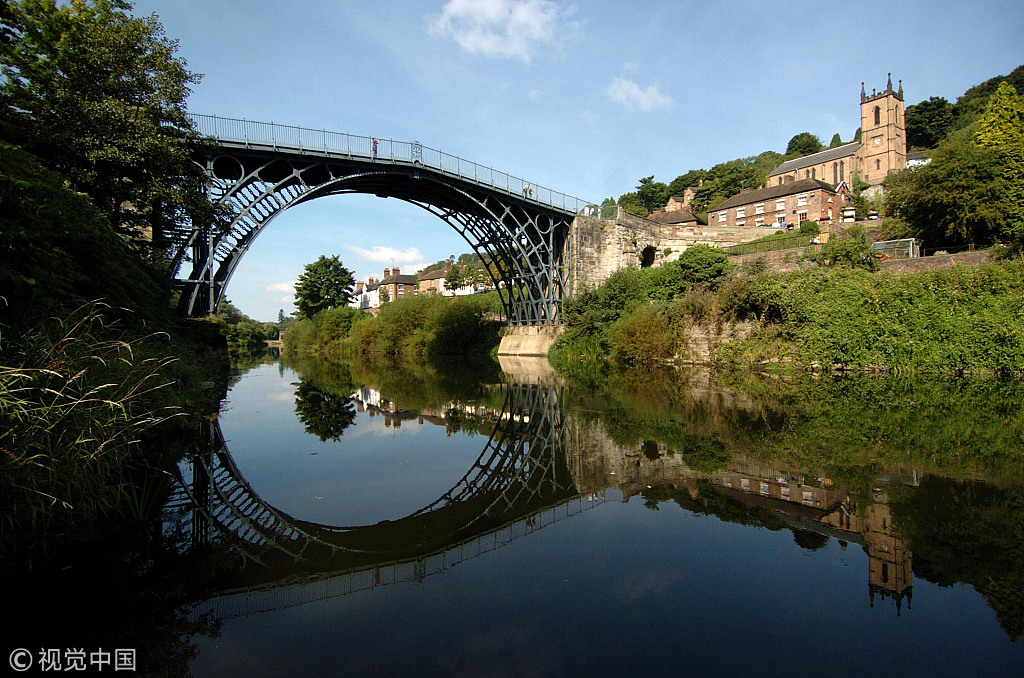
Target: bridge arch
258 170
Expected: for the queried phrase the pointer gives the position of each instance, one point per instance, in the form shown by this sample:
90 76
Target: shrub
641 338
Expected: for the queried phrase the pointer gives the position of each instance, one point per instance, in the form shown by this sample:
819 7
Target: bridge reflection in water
538 466
519 483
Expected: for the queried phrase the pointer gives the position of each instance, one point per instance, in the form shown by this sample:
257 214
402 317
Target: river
465 521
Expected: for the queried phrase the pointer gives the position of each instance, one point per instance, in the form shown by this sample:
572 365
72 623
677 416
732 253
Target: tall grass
73 404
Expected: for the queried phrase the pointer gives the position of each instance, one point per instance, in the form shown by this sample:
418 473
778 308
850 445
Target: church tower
883 133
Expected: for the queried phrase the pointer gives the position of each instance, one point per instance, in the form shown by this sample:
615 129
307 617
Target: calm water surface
388 524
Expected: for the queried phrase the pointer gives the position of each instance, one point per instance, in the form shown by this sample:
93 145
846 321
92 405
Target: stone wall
596 248
938 261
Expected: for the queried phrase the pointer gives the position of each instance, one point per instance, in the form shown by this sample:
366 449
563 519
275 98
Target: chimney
387 272
394 271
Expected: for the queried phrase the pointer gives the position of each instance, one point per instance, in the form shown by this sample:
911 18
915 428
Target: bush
641 338
810 228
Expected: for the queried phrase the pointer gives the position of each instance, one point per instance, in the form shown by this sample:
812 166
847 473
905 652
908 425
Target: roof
680 216
817 158
434 275
772 192
399 279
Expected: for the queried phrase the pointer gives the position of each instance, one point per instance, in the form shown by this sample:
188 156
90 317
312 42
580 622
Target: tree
957 198
928 122
652 194
99 96
836 141
454 278
323 284
803 143
1001 128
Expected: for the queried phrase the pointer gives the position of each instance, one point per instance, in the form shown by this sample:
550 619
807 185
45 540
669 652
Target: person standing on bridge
375 142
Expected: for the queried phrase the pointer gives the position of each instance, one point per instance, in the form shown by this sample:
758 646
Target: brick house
396 284
789 203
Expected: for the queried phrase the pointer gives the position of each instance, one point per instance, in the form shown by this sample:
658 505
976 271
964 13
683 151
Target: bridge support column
534 340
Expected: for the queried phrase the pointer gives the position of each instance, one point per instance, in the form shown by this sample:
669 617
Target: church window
814 172
878 115
842 170
835 173
878 164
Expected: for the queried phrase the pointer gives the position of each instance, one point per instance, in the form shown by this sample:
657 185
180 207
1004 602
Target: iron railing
251 133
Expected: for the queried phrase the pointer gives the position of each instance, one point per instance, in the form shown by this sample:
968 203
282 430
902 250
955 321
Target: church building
881 150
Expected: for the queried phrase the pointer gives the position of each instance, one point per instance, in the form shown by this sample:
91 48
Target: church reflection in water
539 464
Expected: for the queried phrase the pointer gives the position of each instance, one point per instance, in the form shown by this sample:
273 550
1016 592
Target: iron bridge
257 170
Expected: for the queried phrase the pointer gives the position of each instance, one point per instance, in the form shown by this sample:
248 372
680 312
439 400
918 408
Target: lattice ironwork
521 469
258 170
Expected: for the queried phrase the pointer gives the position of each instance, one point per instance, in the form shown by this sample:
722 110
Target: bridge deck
249 134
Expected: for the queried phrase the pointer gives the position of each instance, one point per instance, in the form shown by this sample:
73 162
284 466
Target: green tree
325 412
652 194
323 284
803 143
928 122
956 199
454 278
836 141
99 96
1001 128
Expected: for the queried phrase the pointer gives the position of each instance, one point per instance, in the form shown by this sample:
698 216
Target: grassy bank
410 328
963 319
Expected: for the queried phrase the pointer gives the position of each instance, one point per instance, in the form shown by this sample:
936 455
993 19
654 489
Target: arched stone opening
647 257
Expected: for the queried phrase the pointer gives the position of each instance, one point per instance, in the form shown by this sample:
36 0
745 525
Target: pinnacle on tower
863 94
888 86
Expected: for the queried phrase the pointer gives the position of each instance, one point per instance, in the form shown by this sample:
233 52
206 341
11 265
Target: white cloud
285 291
385 255
510 29
637 98
534 95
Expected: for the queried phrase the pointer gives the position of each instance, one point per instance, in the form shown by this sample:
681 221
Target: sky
581 97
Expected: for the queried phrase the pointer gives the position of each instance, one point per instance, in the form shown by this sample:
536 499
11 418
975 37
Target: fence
772 243
322 142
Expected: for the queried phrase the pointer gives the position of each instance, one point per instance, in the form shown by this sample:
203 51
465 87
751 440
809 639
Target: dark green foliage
641 338
803 143
836 141
99 96
810 228
928 122
325 413
958 198
57 251
322 285
852 250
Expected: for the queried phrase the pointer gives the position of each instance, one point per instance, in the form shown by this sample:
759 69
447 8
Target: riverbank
960 320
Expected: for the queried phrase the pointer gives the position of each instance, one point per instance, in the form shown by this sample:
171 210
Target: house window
745 483
780 205
759 221
801 200
401 287
801 217
741 223
741 212
764 488
721 216
759 208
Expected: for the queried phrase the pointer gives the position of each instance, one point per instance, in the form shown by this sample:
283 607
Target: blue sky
583 97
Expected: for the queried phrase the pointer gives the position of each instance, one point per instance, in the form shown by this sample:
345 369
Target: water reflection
828 461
